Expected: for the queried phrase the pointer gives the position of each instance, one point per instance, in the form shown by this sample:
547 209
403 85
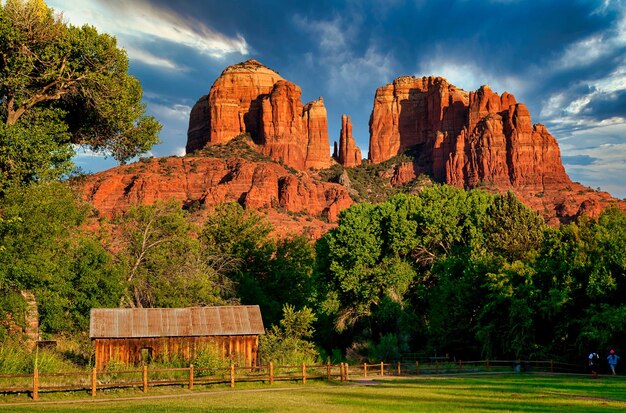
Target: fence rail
94 381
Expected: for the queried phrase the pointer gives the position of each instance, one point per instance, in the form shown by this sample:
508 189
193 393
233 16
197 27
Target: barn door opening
146 355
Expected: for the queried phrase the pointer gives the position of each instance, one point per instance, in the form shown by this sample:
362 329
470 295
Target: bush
209 358
287 344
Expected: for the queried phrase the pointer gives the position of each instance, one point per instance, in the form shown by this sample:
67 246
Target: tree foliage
44 250
164 263
62 85
288 343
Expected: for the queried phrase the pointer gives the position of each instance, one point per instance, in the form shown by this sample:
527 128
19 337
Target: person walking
594 363
612 358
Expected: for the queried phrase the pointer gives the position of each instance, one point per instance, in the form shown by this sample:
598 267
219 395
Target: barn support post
36 384
271 372
191 377
94 382
145 378
232 375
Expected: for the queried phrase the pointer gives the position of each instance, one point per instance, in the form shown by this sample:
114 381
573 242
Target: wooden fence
145 377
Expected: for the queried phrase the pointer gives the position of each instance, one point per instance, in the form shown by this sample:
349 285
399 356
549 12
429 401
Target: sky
566 60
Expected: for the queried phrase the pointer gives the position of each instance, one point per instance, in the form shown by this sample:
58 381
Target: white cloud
136 22
605 144
176 112
153 60
469 76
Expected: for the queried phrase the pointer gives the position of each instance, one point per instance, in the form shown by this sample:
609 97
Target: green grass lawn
521 393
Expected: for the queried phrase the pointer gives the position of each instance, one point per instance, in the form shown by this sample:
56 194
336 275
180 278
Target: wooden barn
134 335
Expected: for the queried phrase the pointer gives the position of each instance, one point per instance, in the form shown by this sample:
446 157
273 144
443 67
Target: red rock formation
249 97
316 125
199 125
235 100
348 154
476 139
210 181
468 138
281 132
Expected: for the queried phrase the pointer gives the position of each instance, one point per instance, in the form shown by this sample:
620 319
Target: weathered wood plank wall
242 349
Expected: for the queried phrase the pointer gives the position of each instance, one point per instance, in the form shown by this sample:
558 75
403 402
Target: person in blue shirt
594 363
612 359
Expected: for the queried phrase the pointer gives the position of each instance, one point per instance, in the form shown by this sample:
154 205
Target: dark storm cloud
606 105
578 160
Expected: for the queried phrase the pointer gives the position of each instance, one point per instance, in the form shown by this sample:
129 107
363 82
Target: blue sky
565 59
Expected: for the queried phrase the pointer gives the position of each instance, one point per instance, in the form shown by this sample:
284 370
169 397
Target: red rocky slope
293 201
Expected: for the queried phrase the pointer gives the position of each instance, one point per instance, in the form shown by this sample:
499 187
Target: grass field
514 393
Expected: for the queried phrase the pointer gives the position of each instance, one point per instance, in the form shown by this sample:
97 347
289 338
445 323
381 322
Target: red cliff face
467 139
250 98
316 125
348 154
476 139
210 181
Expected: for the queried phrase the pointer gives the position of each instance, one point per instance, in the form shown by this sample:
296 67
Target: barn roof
175 322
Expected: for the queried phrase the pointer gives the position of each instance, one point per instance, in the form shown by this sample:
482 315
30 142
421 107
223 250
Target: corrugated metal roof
175 322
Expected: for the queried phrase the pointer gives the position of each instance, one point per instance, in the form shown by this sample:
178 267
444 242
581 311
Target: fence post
417 367
551 366
460 365
94 382
364 369
271 372
303 373
487 364
328 369
232 375
399 371
36 384
145 378
436 367
191 377
347 371
382 369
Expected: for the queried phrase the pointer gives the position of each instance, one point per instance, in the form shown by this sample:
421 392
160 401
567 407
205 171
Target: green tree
62 85
163 261
46 252
288 343
266 271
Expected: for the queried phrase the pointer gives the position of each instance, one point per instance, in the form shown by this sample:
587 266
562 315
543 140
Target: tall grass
16 359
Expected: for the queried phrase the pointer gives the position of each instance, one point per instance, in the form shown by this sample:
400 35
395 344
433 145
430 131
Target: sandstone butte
467 139
476 139
251 98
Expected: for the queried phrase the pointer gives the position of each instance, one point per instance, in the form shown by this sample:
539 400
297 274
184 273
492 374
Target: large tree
62 85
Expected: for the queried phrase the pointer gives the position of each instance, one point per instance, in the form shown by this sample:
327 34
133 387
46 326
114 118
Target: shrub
209 358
